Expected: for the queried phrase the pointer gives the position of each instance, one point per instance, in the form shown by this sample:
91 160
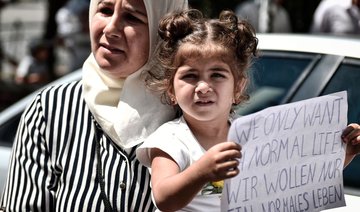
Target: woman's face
120 36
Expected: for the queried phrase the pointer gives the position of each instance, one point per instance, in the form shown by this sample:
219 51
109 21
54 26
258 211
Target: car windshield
272 76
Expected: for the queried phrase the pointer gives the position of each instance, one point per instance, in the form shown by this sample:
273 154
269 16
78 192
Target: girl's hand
220 162
351 136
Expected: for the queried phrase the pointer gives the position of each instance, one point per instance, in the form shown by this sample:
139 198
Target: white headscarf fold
125 109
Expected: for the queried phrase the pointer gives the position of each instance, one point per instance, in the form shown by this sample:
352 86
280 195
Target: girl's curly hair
231 39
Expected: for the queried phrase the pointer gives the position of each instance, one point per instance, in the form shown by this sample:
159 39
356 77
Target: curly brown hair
188 35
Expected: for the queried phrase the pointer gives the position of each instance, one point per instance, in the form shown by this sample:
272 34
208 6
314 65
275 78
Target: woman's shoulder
62 86
57 95
61 89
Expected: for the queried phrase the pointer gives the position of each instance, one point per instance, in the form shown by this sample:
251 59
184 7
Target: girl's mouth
204 102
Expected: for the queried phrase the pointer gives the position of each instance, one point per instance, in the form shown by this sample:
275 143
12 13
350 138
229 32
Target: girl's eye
189 76
106 11
218 75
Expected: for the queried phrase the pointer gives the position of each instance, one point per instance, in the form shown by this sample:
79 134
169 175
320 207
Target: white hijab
125 109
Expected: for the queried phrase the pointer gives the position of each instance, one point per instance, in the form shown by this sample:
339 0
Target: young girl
206 62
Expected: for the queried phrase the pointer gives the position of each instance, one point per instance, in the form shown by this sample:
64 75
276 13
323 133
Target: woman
75 146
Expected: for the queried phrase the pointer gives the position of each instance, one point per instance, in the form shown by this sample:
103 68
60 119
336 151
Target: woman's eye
131 18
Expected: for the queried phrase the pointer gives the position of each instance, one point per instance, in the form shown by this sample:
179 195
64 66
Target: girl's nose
203 87
113 27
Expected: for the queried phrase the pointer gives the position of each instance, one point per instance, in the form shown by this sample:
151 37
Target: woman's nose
113 27
203 87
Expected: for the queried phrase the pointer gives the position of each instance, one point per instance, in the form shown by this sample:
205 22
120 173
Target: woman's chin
117 72
117 68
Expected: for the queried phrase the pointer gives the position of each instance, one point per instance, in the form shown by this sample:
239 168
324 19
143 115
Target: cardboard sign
292 157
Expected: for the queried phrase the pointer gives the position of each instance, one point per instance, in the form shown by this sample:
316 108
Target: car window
272 76
11 93
8 131
347 78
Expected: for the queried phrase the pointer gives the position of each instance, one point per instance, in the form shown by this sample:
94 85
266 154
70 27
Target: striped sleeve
30 165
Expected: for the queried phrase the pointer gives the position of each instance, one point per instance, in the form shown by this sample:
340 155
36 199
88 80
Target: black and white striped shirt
54 160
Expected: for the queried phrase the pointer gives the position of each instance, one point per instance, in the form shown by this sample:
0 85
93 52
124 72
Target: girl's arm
351 136
173 189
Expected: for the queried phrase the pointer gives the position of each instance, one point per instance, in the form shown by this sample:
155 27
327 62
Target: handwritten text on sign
292 157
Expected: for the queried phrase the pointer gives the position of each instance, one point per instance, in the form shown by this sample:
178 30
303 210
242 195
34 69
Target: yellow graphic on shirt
213 188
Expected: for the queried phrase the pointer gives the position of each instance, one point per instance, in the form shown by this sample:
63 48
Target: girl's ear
239 91
171 96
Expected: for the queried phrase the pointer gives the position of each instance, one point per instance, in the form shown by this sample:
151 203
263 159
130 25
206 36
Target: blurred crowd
293 16
61 47
65 30
337 17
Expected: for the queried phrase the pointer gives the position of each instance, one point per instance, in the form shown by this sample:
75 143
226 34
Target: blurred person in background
337 17
33 69
73 32
3 56
265 15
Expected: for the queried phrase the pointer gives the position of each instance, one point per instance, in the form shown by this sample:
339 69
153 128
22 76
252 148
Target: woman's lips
110 49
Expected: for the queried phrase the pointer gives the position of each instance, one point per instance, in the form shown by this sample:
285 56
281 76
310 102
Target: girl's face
204 89
120 36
